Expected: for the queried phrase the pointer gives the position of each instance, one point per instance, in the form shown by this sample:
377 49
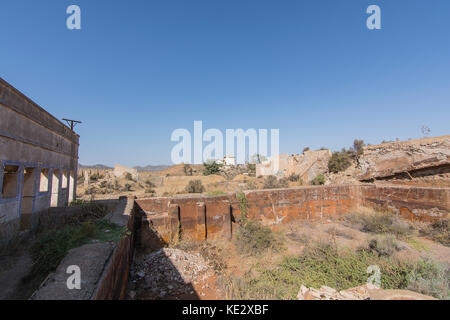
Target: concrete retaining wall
104 267
201 217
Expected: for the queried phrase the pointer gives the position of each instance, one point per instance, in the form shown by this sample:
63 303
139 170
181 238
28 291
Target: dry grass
379 222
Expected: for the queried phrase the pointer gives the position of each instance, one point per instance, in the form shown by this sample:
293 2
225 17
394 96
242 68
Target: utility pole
71 123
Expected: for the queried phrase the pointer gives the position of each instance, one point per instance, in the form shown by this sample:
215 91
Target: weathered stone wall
415 203
201 217
38 160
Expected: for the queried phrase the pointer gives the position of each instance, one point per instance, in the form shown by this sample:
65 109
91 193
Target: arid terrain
245 232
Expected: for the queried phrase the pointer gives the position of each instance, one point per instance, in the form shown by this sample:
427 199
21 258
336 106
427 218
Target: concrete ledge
91 258
104 266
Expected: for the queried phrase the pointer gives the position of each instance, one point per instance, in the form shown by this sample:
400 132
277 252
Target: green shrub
252 238
339 161
319 180
211 167
430 279
294 177
195 186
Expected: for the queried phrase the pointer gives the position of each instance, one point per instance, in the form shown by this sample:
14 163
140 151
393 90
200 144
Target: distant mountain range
138 168
95 166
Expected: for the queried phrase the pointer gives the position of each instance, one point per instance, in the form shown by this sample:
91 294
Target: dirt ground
223 260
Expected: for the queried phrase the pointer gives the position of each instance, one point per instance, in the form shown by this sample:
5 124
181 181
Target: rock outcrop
365 292
308 165
428 155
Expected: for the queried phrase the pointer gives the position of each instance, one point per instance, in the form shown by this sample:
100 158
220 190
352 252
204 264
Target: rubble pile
168 272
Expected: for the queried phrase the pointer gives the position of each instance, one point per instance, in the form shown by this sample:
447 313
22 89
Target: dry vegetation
184 179
261 263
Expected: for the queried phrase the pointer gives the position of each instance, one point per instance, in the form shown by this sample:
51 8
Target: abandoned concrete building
38 160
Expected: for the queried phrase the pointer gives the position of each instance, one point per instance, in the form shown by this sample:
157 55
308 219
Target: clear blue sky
140 69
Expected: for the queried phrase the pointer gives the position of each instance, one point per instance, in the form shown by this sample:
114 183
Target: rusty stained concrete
206 217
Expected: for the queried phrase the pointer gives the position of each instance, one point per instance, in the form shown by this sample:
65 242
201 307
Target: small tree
339 161
358 145
211 167
306 149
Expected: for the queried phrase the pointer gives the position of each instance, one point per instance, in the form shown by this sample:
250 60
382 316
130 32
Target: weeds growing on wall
243 207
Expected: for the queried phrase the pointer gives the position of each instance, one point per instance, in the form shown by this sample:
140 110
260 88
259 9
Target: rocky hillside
414 158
